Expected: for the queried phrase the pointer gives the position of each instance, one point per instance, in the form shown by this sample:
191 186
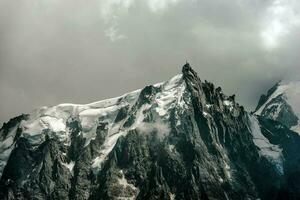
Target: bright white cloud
113 34
280 19
160 5
112 10
151 38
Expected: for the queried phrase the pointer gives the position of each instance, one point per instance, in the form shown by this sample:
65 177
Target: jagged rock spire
189 73
186 67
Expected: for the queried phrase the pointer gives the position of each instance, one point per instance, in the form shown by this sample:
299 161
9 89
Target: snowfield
53 120
266 149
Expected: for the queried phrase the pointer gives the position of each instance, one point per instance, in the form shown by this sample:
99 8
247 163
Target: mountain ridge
180 139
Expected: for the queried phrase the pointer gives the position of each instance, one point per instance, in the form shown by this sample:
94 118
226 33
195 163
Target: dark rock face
183 139
289 141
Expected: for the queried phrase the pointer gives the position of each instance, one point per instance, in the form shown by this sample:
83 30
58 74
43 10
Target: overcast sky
55 51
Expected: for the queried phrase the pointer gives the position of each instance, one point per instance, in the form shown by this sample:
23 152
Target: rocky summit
180 139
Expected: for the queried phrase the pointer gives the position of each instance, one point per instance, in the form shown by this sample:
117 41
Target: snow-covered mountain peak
282 103
120 114
179 139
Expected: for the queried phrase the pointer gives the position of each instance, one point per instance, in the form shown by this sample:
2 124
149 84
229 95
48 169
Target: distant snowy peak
282 103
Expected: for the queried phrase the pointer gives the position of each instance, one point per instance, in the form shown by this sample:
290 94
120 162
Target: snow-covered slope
282 103
55 118
53 121
266 148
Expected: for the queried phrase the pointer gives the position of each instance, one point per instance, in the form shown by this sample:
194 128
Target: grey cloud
59 51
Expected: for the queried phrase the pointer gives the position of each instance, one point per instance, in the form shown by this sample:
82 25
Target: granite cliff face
180 139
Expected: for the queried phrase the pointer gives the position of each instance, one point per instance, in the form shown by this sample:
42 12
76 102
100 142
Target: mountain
282 103
180 139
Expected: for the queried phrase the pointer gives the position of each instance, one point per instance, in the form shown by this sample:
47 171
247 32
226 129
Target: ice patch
228 104
54 124
171 147
172 196
227 170
296 128
268 150
172 92
69 166
208 106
